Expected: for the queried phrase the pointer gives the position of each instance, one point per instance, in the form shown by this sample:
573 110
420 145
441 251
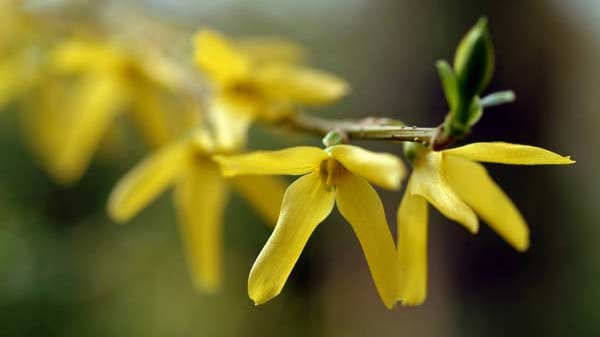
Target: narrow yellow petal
293 161
80 55
429 181
200 199
147 180
299 84
412 249
271 49
306 203
360 205
383 169
472 183
219 58
88 115
264 193
506 153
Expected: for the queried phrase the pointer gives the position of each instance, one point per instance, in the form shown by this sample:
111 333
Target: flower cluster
74 87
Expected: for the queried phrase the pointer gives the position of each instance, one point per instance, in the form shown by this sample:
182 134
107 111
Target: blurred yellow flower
89 83
258 79
454 183
339 174
200 199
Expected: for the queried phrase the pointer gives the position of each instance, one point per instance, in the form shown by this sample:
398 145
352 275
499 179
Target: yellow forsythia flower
454 183
258 79
200 199
339 174
96 81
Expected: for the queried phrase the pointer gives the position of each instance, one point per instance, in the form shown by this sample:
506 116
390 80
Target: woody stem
369 128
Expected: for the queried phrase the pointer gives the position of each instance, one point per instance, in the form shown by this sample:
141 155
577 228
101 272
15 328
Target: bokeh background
67 270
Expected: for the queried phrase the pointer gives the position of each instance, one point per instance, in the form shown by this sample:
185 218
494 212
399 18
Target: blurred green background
67 270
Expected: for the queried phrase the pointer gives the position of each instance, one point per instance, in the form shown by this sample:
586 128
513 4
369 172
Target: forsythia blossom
454 183
339 174
200 199
258 79
89 83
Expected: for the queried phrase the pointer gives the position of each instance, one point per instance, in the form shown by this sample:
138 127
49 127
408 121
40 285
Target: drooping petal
360 205
429 181
300 84
507 153
472 183
383 169
219 58
264 193
88 115
412 249
293 161
306 203
147 180
200 200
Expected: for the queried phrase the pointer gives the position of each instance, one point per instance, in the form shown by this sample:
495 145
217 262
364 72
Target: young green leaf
474 60
449 83
498 98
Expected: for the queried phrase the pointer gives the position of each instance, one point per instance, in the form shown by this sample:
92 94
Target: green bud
413 151
475 111
474 61
333 138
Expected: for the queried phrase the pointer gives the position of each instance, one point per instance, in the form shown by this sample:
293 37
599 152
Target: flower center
329 170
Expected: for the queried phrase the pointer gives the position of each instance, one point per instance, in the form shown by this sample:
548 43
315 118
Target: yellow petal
76 55
219 58
147 180
230 125
506 153
264 193
473 184
305 204
200 199
293 161
412 249
300 84
271 49
360 205
88 115
429 181
383 169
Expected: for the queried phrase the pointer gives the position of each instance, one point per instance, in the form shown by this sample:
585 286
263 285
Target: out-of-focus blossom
89 83
200 197
459 187
339 174
258 79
